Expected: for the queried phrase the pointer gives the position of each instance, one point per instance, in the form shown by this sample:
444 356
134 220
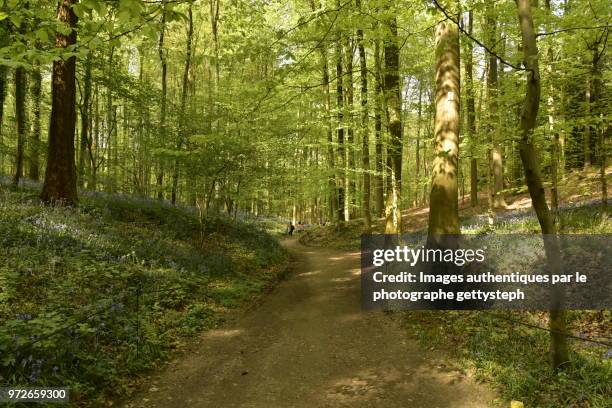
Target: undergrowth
514 358
92 296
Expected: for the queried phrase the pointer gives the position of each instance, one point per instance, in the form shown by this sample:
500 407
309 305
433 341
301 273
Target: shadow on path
310 345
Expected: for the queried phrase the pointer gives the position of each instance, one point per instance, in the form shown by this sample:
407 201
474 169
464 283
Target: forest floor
513 359
579 198
309 344
92 297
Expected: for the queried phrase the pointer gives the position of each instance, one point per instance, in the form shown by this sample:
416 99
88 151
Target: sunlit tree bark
393 98
471 113
443 204
496 178
34 141
533 178
342 183
365 135
378 178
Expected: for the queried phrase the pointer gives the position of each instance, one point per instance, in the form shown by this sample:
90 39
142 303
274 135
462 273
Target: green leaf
79 10
42 35
16 19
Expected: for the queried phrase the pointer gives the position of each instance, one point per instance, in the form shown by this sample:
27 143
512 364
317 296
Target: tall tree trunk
60 175
162 117
95 142
36 93
378 178
4 41
110 123
471 114
443 202
333 199
417 150
588 157
554 134
351 199
85 119
604 135
342 184
214 24
20 119
365 136
495 157
393 224
183 116
534 180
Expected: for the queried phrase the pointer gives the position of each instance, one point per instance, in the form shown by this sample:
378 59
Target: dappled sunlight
355 272
342 280
223 333
311 273
520 204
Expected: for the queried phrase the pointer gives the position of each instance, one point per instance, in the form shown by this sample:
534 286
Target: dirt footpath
310 345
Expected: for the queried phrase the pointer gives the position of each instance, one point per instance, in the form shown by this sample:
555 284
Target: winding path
309 345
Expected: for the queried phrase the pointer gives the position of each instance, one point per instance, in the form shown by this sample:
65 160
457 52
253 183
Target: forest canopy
301 107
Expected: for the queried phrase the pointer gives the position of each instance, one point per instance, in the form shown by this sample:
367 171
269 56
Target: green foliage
89 297
511 356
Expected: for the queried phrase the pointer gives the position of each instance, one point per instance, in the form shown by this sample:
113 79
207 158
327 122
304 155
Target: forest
155 154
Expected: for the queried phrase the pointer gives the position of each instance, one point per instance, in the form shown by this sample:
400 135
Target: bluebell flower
116 306
34 375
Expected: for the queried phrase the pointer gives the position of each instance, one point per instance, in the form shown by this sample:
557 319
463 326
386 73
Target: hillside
579 212
91 297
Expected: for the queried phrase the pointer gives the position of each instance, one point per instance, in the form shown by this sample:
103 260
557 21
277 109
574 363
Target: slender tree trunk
36 93
60 175
214 24
95 142
554 153
109 123
182 113
417 150
534 180
365 137
4 41
378 178
443 202
85 119
393 224
603 137
495 157
471 114
351 199
342 204
162 117
333 199
588 158
20 119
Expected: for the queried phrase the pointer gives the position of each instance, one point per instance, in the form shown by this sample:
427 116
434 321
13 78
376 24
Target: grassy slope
79 287
511 357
